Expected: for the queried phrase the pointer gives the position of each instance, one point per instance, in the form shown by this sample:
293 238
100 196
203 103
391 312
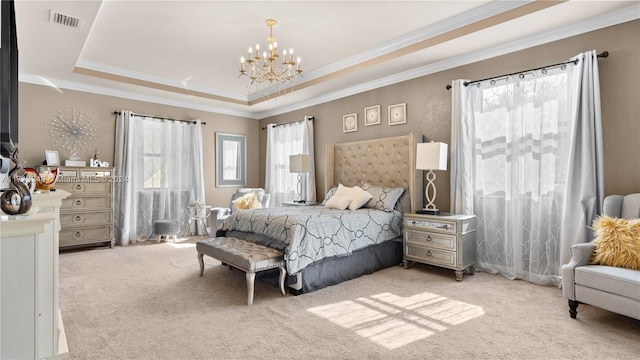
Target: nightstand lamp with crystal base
431 156
299 164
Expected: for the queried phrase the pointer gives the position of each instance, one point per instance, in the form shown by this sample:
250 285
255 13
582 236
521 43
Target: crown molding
613 18
101 90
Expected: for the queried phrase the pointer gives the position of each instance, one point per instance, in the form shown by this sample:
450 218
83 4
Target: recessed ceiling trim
613 18
425 38
57 84
135 78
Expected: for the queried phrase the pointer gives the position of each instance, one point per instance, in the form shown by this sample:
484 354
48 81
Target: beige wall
429 105
38 103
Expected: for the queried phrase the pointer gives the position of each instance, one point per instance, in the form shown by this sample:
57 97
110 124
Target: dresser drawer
90 218
85 235
85 187
439 225
430 255
86 203
437 240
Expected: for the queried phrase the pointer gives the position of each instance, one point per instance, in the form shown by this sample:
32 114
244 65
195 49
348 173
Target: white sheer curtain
527 161
282 141
162 162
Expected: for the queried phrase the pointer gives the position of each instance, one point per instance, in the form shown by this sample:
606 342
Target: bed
326 246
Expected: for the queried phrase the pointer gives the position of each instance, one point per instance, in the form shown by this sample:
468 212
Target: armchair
612 288
224 213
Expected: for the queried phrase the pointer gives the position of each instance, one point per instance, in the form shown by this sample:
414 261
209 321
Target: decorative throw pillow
382 198
340 199
358 197
248 201
330 193
338 202
617 242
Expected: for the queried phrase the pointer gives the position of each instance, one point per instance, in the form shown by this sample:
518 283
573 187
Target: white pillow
338 202
340 199
358 197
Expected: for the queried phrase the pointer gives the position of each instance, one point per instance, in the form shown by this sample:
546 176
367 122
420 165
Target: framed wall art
372 115
350 122
398 114
52 158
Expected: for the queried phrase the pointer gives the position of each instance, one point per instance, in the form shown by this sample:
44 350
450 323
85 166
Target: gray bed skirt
333 270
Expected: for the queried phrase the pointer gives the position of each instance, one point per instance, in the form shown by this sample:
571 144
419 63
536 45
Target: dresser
86 217
31 324
447 241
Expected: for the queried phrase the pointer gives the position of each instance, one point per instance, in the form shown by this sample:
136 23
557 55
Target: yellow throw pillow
248 201
617 242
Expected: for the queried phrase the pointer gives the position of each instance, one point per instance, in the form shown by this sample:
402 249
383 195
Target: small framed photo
372 115
398 114
350 122
52 158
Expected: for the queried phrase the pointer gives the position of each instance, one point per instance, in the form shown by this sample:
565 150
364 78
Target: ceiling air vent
65 20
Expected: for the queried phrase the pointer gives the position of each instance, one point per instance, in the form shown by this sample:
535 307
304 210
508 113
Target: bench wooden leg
283 275
158 239
201 261
251 278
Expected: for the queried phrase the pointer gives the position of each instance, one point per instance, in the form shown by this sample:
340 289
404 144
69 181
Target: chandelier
267 68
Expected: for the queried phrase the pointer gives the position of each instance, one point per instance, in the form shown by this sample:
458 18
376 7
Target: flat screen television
8 78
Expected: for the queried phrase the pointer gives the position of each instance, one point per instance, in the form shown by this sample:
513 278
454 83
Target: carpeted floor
148 302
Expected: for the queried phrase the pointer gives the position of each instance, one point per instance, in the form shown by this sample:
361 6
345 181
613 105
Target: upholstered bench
246 256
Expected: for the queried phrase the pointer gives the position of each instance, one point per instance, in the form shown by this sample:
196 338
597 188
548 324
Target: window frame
221 181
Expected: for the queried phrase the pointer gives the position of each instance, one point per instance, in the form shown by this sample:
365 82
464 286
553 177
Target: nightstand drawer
93 234
430 256
448 226
440 241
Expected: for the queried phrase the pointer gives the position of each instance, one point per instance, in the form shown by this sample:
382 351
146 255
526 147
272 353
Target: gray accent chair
611 288
224 213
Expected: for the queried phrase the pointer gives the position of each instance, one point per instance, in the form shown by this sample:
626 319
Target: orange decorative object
44 180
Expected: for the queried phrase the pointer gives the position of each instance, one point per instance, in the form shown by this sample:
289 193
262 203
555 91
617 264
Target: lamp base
428 211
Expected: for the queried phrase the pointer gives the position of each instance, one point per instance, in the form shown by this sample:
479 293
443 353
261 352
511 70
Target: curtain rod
603 54
161 118
291 122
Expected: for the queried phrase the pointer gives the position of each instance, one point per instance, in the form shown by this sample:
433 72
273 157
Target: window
230 160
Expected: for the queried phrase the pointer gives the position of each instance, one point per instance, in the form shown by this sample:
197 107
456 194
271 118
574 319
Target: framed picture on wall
398 114
52 158
350 122
372 115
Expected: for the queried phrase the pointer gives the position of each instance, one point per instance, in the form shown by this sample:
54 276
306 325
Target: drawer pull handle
429 238
413 222
78 186
78 217
78 234
429 253
78 202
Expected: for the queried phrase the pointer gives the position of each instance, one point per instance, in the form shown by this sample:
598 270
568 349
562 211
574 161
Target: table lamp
431 156
300 163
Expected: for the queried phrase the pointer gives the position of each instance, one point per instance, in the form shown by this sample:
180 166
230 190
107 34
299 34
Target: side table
445 240
198 213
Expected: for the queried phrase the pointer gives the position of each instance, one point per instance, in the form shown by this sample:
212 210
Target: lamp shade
431 156
300 163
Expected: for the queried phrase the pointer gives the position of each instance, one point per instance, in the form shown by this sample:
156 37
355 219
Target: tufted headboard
388 162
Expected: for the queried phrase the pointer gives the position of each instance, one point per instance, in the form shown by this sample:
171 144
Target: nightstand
292 203
447 241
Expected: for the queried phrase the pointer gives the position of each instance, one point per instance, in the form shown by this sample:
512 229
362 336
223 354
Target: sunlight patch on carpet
179 245
394 321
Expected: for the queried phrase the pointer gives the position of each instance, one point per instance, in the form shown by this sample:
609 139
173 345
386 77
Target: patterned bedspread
312 233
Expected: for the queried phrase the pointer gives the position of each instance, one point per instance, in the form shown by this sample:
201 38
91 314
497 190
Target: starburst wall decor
71 130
